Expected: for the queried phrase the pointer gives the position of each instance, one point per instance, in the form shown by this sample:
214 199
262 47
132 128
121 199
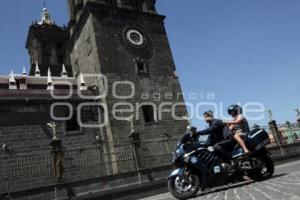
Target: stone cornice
39 94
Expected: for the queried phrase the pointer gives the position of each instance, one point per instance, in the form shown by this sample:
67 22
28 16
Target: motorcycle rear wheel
184 190
265 171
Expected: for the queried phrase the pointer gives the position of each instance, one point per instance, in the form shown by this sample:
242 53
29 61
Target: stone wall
27 159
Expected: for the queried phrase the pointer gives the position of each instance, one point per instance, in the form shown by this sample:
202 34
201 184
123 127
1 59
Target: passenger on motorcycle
239 126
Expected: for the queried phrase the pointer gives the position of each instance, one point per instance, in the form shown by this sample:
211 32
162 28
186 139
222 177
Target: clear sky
241 50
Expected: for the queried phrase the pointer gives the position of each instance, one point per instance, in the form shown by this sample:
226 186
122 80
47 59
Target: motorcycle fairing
206 161
237 152
177 172
207 158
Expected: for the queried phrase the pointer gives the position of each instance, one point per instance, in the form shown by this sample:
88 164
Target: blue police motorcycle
200 167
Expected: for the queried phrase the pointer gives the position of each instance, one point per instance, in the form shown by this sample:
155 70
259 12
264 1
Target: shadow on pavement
229 186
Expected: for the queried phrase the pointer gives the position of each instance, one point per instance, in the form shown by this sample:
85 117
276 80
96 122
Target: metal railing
26 169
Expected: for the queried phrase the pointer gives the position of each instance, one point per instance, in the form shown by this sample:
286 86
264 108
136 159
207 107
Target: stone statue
298 112
298 117
188 119
131 121
53 126
270 114
58 154
59 166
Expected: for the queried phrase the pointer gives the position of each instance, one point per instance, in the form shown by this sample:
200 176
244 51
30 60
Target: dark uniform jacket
217 132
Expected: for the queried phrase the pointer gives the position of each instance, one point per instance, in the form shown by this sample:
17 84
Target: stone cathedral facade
116 50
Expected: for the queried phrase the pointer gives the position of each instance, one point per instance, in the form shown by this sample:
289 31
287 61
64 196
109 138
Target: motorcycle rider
219 136
239 126
216 131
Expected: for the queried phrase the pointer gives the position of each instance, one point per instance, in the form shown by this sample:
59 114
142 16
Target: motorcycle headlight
178 151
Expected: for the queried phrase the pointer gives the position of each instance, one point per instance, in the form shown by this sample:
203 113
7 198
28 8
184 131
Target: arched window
148 113
141 66
72 124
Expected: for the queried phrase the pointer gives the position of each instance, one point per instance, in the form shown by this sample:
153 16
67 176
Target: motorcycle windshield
180 150
178 153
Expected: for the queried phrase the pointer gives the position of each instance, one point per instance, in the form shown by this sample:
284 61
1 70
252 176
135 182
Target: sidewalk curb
279 159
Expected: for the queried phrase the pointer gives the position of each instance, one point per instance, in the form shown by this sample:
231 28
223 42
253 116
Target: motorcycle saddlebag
257 139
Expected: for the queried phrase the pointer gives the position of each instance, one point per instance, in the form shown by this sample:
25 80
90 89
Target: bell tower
47 46
76 6
125 40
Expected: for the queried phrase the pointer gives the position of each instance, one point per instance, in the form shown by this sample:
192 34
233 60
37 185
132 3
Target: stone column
275 132
298 122
290 133
276 135
298 126
136 150
99 144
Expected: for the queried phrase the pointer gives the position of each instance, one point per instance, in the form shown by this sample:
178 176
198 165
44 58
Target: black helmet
235 110
192 129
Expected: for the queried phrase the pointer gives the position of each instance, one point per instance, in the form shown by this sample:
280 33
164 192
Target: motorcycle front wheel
184 188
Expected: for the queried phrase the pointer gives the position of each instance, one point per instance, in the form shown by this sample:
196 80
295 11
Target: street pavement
285 185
